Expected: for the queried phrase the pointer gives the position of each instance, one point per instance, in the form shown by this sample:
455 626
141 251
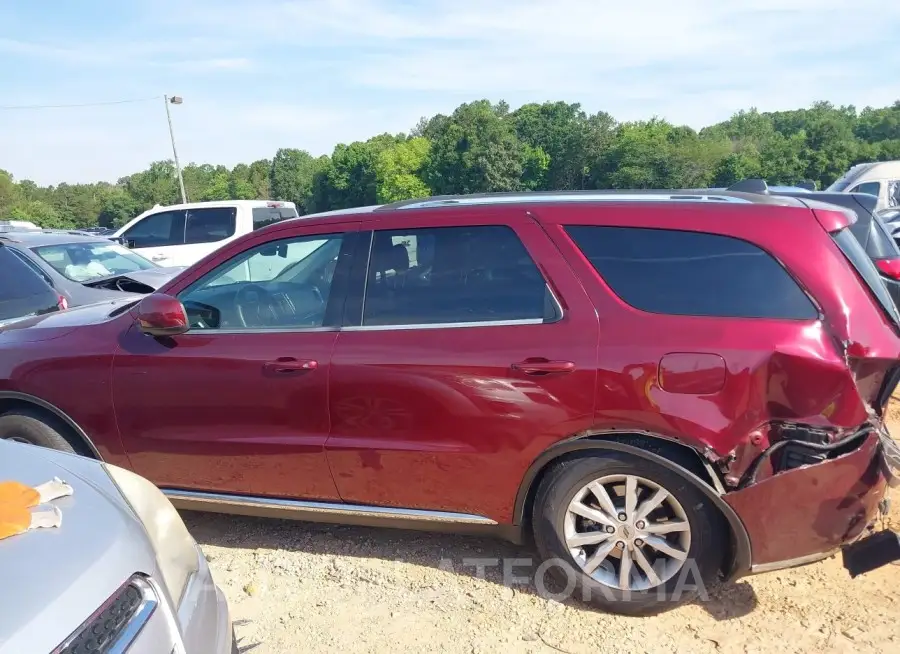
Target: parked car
878 178
869 229
86 269
119 572
182 234
637 380
890 216
17 226
23 291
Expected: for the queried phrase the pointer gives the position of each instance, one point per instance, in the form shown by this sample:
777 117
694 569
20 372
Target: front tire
26 426
627 534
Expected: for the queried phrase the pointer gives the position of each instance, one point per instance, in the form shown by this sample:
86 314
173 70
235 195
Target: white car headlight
176 550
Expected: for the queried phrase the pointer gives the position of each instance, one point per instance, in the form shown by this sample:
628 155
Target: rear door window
23 292
692 273
452 276
210 225
265 216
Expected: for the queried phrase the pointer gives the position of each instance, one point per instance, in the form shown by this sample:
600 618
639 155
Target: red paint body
452 419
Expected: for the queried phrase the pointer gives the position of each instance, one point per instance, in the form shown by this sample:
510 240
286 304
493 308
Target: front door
238 404
474 349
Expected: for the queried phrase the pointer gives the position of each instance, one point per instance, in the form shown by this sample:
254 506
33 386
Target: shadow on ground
456 553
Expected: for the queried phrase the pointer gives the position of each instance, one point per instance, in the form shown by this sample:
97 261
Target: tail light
62 303
889 268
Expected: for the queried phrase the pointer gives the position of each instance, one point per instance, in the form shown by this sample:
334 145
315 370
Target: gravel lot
296 587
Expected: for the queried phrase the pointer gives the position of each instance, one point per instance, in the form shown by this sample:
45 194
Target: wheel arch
10 400
676 456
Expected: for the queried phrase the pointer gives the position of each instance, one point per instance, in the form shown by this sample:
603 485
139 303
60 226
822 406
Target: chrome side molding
792 563
313 511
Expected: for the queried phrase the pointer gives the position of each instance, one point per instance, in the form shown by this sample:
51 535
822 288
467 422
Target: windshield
82 262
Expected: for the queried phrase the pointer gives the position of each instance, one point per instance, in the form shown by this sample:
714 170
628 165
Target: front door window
280 285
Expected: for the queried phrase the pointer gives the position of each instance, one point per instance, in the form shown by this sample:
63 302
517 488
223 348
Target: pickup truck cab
182 234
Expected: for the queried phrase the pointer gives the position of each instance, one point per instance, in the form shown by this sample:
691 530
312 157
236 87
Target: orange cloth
17 500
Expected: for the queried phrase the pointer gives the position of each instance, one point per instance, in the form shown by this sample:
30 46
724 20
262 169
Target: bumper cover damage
807 513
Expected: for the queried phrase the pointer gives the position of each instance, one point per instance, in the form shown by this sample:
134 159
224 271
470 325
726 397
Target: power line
72 106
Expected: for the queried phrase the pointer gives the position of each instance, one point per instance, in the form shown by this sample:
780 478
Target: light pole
175 99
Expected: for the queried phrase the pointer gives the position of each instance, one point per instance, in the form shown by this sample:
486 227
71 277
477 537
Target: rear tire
587 556
27 426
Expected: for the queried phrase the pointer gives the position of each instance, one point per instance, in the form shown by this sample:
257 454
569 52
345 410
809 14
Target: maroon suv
641 381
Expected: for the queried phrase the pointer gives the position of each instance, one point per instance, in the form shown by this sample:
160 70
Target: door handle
289 366
543 367
158 257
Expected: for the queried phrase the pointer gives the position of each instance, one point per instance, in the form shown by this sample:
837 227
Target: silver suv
115 571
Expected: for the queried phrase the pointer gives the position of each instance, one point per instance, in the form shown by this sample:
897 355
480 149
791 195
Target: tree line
483 147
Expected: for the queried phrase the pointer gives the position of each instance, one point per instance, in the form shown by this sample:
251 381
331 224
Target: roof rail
701 195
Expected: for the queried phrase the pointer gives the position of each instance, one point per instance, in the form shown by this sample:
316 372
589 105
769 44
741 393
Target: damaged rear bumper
809 513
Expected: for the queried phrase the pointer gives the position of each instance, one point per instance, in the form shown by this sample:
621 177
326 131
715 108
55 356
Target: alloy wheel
627 532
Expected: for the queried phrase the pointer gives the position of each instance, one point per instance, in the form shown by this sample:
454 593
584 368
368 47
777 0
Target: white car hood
54 579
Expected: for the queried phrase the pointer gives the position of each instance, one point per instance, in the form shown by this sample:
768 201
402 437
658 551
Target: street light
175 99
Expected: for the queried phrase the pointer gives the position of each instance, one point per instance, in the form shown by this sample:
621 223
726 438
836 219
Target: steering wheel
254 306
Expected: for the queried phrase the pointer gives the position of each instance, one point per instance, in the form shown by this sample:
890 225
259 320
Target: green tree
350 178
570 139
475 150
398 168
291 176
40 213
118 208
656 154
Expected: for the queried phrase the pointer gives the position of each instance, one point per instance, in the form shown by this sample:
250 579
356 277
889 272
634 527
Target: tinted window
453 275
691 273
158 229
867 270
210 225
283 284
31 264
871 188
23 292
263 216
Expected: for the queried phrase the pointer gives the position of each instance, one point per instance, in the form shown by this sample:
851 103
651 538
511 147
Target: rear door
206 229
467 348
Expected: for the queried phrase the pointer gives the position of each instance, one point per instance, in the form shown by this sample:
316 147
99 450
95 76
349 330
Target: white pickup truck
182 234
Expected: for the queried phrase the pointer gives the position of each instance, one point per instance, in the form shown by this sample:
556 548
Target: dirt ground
299 587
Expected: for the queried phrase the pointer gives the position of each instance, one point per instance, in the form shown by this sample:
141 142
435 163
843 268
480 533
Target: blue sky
257 75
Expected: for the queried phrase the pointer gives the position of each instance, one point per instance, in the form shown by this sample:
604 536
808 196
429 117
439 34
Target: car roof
37 239
558 198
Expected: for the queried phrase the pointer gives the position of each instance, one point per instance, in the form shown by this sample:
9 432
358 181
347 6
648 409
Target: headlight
176 550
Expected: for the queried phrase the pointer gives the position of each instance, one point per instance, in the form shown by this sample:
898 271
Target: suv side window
279 285
158 229
31 264
692 273
22 293
210 225
454 275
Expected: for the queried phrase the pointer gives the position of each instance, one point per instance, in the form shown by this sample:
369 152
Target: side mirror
130 243
159 314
